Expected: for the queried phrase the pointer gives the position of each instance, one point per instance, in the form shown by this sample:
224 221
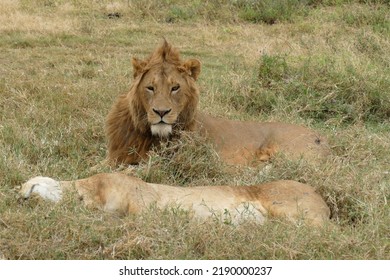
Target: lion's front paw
45 187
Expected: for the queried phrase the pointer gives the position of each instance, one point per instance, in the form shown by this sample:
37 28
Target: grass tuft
320 88
189 160
271 12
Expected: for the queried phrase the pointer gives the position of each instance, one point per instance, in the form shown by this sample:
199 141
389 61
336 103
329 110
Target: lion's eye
175 88
150 88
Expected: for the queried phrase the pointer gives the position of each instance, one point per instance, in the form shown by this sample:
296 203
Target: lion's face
164 93
167 91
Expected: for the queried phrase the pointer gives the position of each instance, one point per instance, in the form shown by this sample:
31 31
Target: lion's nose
161 113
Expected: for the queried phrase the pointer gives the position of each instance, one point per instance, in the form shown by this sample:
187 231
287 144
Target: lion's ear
138 66
192 67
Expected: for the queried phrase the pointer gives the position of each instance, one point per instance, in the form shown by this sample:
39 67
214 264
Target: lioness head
165 96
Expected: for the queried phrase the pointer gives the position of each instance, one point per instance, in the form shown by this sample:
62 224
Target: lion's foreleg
111 192
45 187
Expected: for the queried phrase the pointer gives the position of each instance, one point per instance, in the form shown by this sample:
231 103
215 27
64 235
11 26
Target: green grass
325 66
323 88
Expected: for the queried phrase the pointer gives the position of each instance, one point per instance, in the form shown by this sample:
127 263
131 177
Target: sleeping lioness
124 194
163 100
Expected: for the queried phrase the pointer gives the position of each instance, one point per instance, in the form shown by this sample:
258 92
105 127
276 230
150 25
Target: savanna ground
323 64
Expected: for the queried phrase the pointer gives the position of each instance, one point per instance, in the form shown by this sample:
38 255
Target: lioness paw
45 187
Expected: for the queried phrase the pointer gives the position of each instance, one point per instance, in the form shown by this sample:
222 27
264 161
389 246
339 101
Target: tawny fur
152 100
125 194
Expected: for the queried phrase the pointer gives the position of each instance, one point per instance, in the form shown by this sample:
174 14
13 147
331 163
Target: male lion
121 193
163 100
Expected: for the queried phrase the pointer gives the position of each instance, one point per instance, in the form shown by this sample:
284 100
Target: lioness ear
138 66
192 67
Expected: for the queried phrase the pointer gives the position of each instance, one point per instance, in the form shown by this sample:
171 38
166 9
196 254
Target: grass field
322 64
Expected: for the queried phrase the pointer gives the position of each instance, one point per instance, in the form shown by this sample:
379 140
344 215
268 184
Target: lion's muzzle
162 113
161 125
161 129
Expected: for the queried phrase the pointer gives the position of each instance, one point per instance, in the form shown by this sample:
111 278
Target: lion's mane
127 129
